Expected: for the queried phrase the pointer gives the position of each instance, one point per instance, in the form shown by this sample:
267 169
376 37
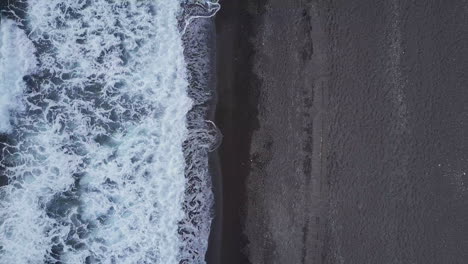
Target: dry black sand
345 131
397 137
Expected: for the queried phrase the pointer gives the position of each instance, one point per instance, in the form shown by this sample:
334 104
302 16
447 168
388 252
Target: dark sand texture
270 93
286 193
397 140
345 131
236 118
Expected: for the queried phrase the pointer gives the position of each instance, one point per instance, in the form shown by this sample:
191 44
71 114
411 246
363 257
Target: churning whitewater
103 133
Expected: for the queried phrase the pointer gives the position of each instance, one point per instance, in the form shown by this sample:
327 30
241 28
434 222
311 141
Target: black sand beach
270 111
236 118
345 131
397 138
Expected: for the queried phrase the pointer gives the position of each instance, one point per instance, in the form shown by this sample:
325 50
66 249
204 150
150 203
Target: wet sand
345 131
236 118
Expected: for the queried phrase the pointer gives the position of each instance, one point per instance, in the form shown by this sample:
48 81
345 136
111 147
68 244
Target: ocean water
103 133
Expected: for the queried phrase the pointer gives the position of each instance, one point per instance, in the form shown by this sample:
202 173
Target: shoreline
213 254
200 53
252 232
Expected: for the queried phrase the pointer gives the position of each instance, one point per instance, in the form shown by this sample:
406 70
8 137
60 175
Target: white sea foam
97 160
16 60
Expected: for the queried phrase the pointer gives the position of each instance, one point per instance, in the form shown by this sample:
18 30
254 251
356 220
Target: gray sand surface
397 140
286 191
346 132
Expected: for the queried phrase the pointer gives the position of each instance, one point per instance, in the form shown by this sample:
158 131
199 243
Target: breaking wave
16 60
106 139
